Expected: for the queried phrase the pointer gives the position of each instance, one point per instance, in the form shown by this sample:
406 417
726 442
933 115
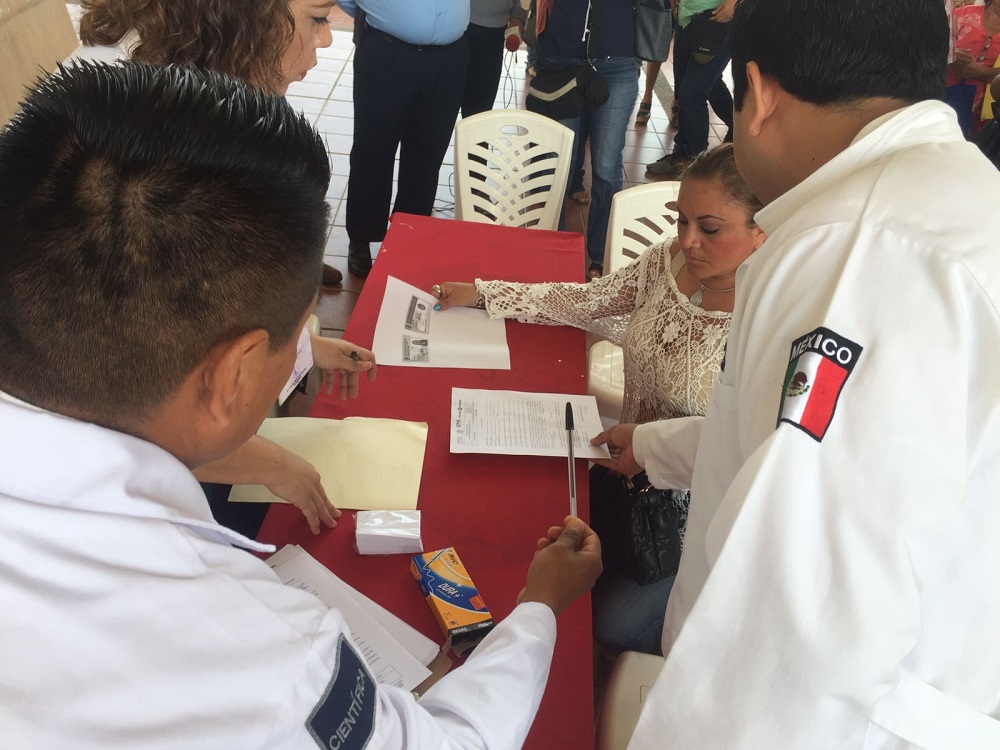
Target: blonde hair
719 163
245 40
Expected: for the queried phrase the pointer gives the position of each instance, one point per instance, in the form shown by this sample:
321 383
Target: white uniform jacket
840 583
129 620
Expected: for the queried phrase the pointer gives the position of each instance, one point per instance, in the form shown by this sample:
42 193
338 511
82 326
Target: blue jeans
607 126
579 156
698 85
627 616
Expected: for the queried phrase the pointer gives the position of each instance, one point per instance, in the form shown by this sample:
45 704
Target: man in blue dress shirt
409 78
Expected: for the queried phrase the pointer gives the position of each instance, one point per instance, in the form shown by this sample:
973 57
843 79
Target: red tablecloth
492 509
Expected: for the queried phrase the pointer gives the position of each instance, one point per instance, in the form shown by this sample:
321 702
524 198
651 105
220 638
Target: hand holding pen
342 361
571 459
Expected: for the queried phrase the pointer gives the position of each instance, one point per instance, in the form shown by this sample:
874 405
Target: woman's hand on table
454 294
343 362
619 442
296 481
567 564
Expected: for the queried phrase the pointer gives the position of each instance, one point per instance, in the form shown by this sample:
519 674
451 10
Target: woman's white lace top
672 348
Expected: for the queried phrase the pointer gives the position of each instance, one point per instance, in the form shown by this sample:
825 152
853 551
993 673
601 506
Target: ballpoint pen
572 462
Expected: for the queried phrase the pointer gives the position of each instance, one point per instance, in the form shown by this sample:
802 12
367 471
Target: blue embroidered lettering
344 719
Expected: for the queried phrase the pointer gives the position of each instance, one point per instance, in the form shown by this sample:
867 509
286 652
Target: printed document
411 333
523 424
395 652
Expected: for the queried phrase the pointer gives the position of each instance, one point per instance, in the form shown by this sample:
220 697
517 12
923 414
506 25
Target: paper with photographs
411 333
365 463
523 424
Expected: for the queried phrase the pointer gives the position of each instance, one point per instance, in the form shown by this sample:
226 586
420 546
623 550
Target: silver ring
436 289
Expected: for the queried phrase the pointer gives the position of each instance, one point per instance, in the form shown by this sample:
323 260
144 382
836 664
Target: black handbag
653 24
641 527
563 92
566 91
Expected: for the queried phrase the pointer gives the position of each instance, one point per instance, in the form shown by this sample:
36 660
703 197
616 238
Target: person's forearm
979 72
254 462
667 449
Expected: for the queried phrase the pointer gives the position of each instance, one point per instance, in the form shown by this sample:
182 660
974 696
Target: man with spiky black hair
838 586
161 237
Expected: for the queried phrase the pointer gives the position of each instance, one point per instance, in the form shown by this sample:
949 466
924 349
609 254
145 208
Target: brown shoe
331 276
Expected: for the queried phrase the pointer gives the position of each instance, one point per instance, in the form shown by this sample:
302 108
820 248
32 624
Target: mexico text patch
344 718
818 367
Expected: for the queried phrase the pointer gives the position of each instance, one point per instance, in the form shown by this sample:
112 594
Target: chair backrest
640 217
511 168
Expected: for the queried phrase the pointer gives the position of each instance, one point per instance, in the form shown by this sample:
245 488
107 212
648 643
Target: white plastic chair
631 679
511 168
606 379
640 217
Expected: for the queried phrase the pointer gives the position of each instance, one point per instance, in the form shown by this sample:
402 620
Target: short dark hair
148 214
839 52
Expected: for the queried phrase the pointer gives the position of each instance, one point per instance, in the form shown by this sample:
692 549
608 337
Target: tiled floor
326 96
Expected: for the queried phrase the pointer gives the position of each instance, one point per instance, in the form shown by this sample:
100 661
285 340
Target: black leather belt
396 40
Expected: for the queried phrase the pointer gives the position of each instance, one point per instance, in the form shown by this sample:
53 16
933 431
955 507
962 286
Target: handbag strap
589 31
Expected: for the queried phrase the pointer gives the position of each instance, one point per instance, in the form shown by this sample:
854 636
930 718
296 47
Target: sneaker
331 276
359 258
670 165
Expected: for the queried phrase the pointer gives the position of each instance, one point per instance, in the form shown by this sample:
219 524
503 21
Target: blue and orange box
453 598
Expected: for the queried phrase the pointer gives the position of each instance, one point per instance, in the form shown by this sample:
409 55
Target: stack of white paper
388 532
394 651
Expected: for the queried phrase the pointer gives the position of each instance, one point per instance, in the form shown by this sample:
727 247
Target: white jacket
840 583
129 620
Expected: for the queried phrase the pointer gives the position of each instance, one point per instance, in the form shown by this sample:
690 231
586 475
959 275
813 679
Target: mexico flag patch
818 367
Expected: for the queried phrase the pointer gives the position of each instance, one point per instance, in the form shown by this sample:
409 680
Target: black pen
572 462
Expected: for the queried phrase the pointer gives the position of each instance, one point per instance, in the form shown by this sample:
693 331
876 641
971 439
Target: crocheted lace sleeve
602 306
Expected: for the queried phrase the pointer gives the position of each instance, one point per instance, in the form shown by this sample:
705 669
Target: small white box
388 532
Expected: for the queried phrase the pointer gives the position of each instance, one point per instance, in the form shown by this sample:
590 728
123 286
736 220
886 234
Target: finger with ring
436 289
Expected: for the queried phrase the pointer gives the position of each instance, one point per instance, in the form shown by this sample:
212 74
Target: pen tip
569 416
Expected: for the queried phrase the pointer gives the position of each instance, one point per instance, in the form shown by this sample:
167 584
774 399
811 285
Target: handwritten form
395 652
411 333
523 424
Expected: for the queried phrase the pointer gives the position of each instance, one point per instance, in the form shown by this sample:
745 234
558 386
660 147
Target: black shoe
359 258
331 276
670 165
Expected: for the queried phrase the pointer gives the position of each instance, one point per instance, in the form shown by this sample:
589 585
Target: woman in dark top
610 49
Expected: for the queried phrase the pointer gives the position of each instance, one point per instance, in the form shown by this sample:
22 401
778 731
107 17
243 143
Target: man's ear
760 100
229 370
